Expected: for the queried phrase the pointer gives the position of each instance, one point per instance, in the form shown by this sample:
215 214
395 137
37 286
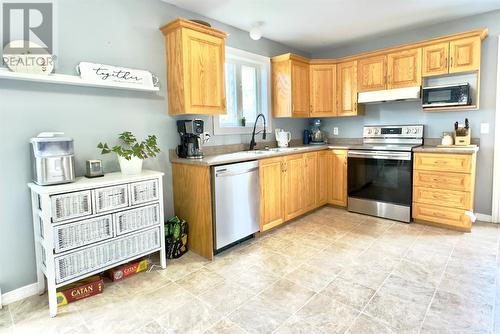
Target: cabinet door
404 68
204 72
294 186
347 93
300 89
310 178
271 190
465 54
435 59
323 90
337 193
372 73
322 179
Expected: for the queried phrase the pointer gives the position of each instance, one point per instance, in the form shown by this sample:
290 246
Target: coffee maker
192 138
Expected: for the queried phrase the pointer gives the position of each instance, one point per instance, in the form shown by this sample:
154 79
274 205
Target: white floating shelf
73 80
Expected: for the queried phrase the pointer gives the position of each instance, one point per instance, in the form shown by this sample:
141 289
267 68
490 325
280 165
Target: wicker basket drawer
97 257
111 198
143 192
81 233
71 205
459 163
135 219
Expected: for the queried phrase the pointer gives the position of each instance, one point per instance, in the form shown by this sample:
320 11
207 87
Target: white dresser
91 225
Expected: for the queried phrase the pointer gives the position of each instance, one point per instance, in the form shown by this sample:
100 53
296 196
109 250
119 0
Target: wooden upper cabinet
300 89
310 178
435 59
323 90
347 90
404 68
195 68
293 194
290 86
271 192
372 73
465 54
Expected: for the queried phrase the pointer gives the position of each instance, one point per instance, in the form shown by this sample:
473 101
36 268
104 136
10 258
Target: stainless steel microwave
446 95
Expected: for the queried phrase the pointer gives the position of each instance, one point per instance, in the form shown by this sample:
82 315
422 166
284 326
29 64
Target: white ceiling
312 25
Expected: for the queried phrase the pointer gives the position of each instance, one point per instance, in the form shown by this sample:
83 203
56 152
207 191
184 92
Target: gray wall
121 32
436 123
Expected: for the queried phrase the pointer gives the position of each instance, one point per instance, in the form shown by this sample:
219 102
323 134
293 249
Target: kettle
282 137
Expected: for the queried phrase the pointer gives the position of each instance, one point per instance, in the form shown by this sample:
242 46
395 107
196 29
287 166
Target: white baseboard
484 218
19 294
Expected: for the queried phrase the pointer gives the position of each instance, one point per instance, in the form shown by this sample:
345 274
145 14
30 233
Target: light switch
485 128
335 131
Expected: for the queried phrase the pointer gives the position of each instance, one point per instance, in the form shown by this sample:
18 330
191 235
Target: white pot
130 167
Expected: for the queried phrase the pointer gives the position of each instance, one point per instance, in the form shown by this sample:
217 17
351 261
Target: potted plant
131 153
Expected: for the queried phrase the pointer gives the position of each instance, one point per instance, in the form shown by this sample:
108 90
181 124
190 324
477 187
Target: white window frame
265 63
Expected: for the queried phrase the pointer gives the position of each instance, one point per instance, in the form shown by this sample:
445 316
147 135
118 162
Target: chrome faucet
252 142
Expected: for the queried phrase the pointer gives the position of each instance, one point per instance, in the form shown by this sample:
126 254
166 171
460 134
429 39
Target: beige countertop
240 156
225 158
452 149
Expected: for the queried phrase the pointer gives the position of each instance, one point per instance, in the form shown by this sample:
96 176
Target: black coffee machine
192 137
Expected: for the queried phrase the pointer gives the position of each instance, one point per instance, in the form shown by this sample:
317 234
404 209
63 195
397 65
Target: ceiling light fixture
255 32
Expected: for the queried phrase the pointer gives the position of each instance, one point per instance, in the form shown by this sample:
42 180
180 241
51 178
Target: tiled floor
329 272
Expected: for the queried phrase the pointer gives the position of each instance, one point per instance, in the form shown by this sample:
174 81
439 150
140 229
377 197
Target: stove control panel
394 131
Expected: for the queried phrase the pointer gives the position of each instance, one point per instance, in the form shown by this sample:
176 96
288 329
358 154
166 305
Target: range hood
397 94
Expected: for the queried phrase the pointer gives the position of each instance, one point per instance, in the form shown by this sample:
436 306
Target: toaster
52 157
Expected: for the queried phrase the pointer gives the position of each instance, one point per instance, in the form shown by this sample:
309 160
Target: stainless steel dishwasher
235 196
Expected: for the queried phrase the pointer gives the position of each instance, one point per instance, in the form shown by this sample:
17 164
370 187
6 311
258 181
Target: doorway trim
495 207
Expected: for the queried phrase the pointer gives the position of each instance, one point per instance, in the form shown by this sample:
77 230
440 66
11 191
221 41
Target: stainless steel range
380 171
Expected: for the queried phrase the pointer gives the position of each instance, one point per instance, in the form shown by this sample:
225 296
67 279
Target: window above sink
248 92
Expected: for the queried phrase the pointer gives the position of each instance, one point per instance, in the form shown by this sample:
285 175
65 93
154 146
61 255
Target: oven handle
379 155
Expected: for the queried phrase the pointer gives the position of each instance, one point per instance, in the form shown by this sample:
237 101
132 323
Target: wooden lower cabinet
322 178
310 180
337 183
271 193
443 189
193 202
294 186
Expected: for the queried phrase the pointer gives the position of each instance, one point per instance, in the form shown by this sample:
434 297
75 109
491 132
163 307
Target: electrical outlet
335 131
485 128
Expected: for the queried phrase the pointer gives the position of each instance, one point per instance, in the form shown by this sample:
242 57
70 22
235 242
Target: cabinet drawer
441 215
442 180
81 233
447 198
111 198
143 192
460 163
132 220
106 254
71 205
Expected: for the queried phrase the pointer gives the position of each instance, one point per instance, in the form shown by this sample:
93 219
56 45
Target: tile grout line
300 285
437 287
378 289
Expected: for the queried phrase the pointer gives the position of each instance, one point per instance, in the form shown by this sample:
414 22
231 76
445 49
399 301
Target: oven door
381 176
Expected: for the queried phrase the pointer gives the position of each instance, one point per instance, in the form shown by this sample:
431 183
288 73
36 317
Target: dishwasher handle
225 172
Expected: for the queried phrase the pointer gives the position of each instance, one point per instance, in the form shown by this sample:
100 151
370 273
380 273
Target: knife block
462 137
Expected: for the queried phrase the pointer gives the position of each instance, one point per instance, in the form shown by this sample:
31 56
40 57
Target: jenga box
126 270
79 290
